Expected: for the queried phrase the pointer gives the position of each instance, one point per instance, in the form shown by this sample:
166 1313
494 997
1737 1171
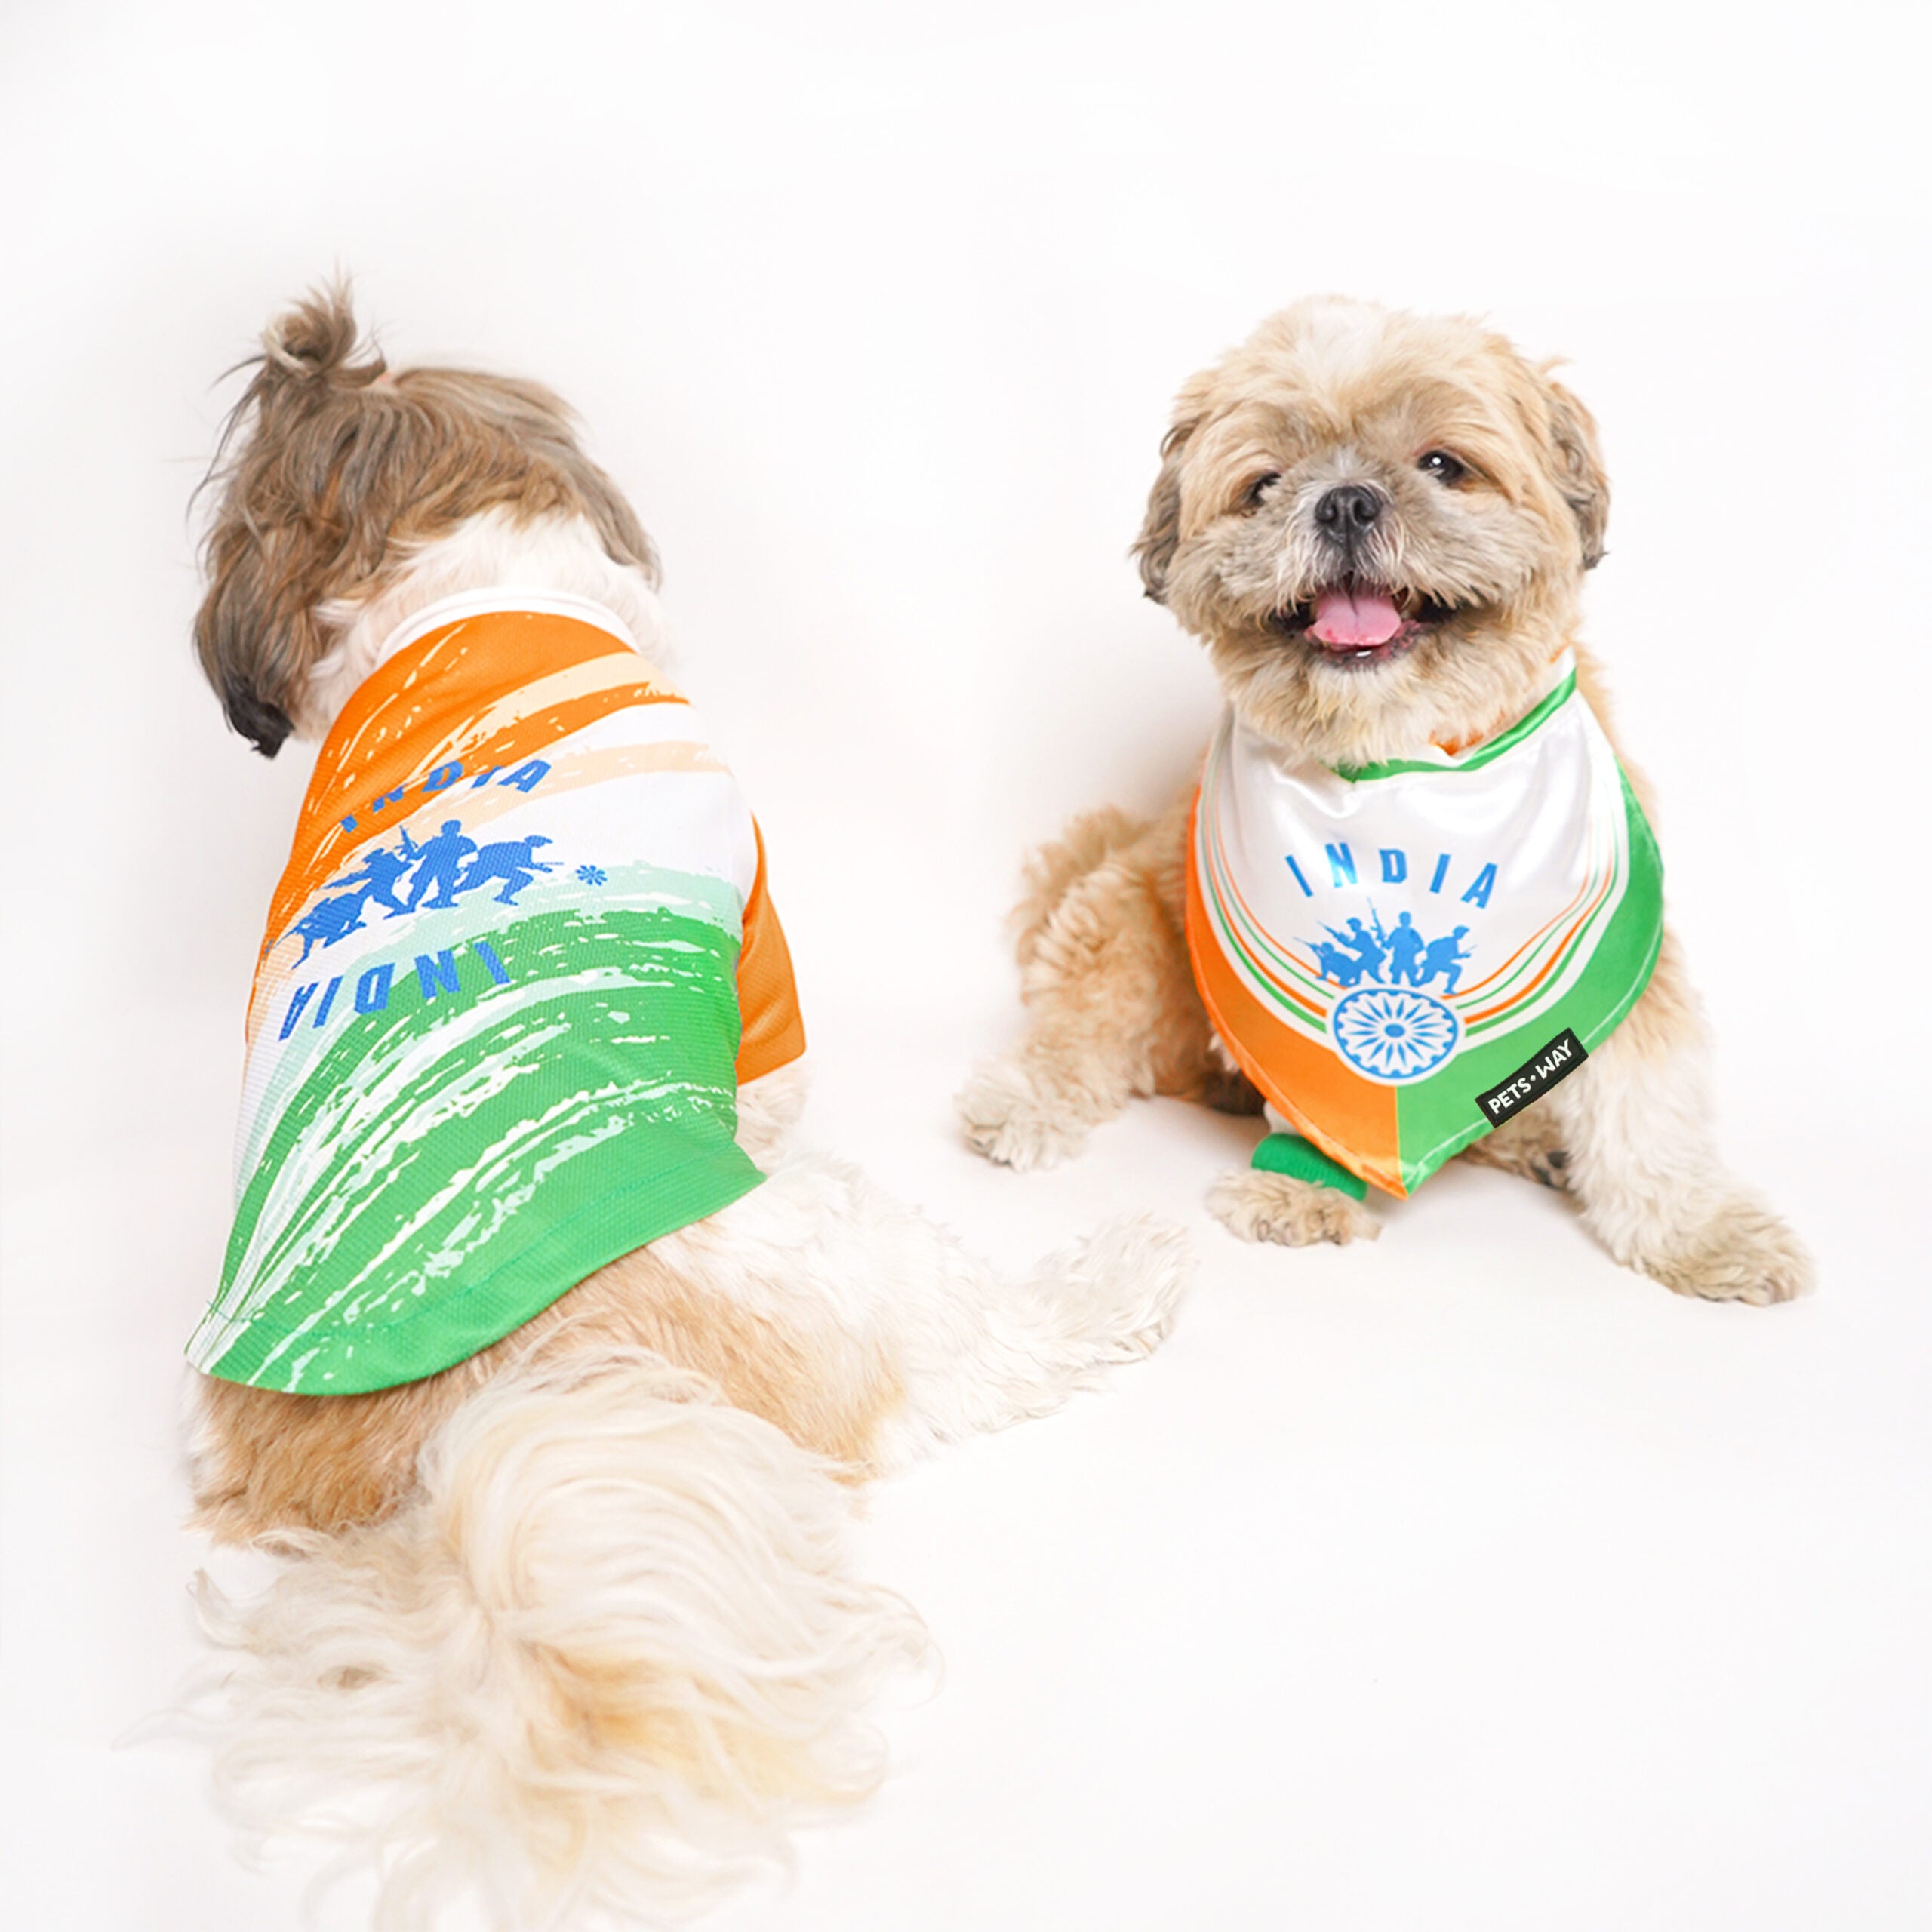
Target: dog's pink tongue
1346 618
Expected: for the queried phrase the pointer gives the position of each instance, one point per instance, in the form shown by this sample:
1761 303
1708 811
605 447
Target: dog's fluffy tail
593 1672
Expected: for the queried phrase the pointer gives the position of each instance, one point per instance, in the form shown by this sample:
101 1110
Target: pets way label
1533 1078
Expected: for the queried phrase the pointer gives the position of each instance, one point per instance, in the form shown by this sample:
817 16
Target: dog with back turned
538 1355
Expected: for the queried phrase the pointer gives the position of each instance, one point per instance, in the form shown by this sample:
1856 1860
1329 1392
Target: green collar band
1479 755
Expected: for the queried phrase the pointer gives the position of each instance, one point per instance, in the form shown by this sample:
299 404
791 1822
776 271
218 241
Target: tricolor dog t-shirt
1402 955
520 960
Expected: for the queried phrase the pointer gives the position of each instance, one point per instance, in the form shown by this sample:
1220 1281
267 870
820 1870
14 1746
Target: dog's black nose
1346 511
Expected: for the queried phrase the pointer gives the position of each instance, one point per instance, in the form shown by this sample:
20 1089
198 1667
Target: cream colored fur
1332 392
605 1653
569 1631
556 554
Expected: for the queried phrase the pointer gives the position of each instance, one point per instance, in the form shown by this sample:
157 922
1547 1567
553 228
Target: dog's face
1378 523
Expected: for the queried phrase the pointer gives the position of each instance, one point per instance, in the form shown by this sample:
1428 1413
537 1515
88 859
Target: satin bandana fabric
1401 955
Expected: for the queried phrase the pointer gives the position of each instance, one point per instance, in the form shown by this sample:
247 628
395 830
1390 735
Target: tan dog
1378 523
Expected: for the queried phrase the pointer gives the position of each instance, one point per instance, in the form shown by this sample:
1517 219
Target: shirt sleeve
772 1032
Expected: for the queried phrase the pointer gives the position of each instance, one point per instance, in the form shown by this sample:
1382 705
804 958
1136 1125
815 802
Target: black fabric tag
1533 1078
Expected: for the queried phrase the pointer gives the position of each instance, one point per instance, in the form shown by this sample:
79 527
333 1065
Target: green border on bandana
1490 749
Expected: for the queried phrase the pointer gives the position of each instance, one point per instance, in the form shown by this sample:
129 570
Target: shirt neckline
496 599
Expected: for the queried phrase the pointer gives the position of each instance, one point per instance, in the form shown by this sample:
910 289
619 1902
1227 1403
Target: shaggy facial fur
567 1628
1378 525
1342 452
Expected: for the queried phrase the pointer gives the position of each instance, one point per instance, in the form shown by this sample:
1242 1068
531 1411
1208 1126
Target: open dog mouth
1357 623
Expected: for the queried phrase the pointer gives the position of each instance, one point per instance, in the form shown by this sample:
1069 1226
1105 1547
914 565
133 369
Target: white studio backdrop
1463 1581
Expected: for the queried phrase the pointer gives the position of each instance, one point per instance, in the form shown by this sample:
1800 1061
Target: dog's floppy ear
265 726
247 648
284 515
1578 466
1160 533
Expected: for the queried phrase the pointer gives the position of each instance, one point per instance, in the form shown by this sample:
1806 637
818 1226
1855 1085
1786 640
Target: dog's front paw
1009 1119
1260 1206
1742 1252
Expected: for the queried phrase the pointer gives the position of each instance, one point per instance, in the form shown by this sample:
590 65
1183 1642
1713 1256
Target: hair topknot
315 340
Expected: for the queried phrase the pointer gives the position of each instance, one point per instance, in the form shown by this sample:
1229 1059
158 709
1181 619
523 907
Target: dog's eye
1259 488
1441 465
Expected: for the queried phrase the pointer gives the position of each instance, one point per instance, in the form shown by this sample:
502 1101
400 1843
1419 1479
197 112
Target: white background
1462 1581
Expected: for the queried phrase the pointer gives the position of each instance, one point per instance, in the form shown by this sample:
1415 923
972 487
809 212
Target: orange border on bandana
1270 1052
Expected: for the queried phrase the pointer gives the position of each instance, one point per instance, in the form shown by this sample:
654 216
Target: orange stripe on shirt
772 1032
422 709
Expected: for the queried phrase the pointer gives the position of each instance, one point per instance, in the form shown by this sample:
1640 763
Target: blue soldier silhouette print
1342 967
1366 945
329 920
514 862
443 867
439 861
382 871
1405 948
1412 960
1445 956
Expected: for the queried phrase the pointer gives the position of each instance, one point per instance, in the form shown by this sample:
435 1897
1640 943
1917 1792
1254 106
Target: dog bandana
1401 956
520 960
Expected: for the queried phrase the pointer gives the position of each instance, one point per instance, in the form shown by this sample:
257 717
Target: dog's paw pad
1260 1206
1530 1146
1552 1169
1007 1118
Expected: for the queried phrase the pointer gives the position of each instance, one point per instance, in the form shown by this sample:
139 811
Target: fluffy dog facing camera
537 1355
1414 906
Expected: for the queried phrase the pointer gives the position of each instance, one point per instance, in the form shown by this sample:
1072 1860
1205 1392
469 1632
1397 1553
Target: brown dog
1378 523
565 1625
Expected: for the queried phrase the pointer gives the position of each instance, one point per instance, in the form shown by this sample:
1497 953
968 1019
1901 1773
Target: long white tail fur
605 1657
